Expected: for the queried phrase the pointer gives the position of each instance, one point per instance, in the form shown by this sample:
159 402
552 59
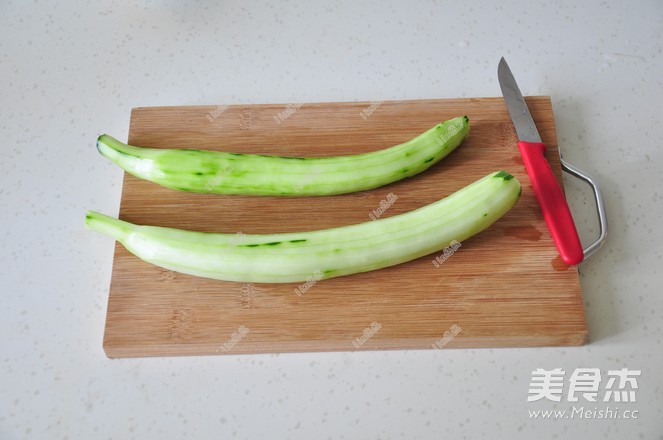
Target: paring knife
546 189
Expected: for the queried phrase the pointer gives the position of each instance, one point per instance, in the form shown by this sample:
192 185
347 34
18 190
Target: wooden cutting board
505 287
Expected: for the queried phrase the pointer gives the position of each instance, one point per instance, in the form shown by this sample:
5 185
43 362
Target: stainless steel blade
520 115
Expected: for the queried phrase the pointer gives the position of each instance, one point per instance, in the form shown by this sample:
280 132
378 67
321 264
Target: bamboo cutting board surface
503 287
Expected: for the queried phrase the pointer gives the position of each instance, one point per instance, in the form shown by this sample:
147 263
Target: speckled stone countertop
72 70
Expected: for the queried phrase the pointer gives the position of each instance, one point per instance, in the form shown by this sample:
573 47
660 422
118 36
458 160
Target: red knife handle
553 204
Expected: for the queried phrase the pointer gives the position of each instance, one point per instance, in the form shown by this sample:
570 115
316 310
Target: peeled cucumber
298 256
216 172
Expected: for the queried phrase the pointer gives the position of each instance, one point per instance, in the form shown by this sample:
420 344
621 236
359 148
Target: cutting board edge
562 339
363 102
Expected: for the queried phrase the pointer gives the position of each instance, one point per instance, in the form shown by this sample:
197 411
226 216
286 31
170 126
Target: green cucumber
216 172
301 256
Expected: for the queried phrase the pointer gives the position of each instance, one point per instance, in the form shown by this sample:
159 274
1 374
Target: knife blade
547 190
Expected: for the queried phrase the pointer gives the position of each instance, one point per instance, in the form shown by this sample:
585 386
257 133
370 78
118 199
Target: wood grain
504 287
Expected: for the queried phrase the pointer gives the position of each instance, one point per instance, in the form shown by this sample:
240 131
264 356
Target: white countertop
70 71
